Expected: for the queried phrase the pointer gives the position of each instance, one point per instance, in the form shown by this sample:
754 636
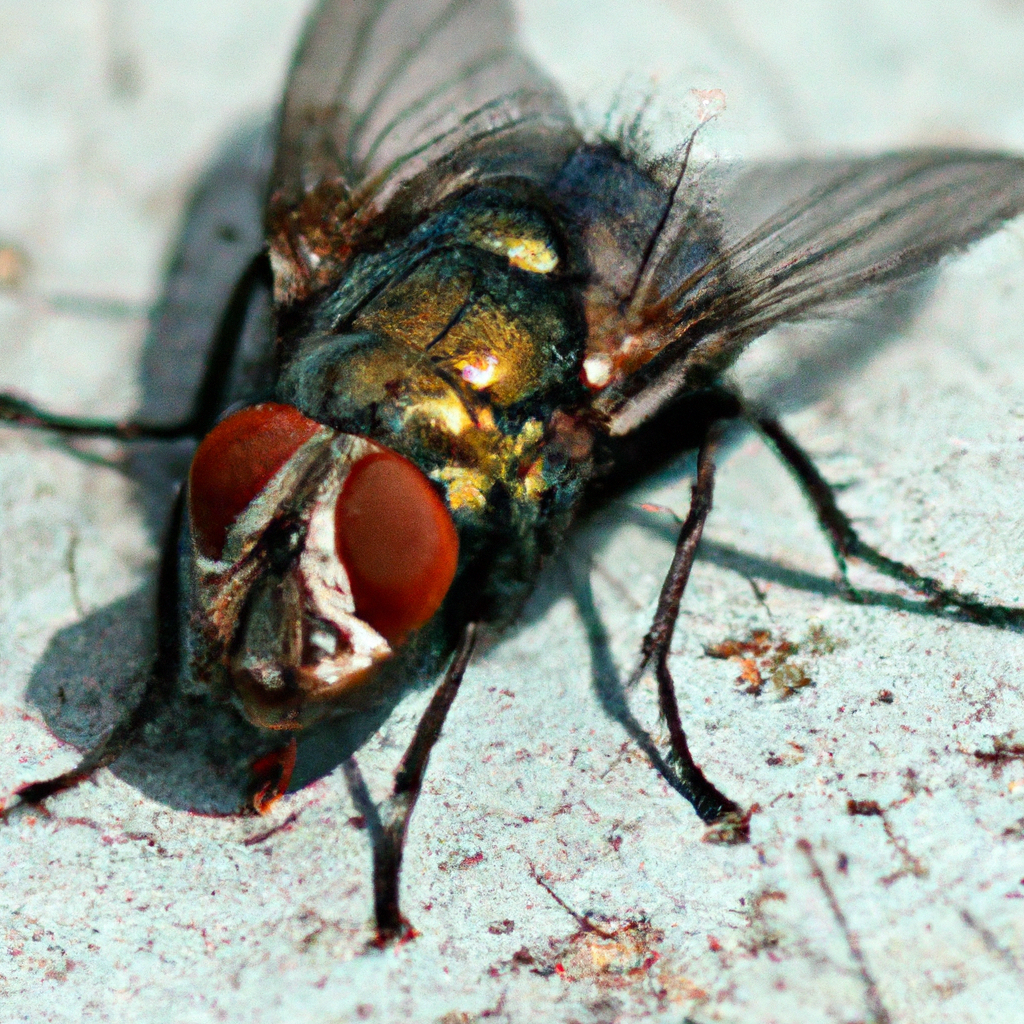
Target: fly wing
839 231
391 105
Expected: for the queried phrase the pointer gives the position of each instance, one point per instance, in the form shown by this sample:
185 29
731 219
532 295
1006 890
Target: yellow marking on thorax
522 239
533 255
496 457
466 488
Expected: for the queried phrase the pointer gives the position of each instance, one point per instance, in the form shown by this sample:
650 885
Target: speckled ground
551 873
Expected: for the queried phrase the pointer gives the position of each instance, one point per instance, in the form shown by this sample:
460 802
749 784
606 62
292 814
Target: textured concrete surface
141 897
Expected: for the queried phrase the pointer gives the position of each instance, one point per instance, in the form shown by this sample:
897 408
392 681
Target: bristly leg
846 544
212 395
158 684
396 812
18 412
711 805
209 397
273 773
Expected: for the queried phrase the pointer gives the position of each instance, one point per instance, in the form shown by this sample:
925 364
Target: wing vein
398 68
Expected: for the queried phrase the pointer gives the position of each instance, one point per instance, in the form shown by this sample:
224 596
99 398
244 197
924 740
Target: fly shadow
196 753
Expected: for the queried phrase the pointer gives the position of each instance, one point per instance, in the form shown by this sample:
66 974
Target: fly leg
18 412
846 544
213 389
209 398
397 810
118 737
711 805
273 773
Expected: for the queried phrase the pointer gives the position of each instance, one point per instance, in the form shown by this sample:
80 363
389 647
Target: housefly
486 321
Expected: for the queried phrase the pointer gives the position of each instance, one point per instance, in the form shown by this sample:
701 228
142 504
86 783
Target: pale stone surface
125 906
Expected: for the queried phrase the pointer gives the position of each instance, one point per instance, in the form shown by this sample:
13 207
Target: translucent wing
390 106
838 230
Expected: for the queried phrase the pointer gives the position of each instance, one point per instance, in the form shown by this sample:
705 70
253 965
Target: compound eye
397 542
235 461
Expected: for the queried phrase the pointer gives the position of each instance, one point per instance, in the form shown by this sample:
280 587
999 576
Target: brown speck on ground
13 266
1004 752
766 661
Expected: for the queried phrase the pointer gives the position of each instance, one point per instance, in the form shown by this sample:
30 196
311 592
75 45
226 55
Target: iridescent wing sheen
391 105
836 232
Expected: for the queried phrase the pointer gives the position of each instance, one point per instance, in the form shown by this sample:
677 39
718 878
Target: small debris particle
1003 752
764 660
614 956
505 927
820 641
864 808
1014 831
13 266
262 837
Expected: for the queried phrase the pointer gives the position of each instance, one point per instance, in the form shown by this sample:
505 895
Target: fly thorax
429 413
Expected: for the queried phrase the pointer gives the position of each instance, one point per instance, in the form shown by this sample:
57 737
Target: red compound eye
235 461
397 542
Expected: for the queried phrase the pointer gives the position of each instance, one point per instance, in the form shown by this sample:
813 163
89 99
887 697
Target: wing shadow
195 753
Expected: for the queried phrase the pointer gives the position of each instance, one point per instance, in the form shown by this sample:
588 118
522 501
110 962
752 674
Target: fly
486 323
